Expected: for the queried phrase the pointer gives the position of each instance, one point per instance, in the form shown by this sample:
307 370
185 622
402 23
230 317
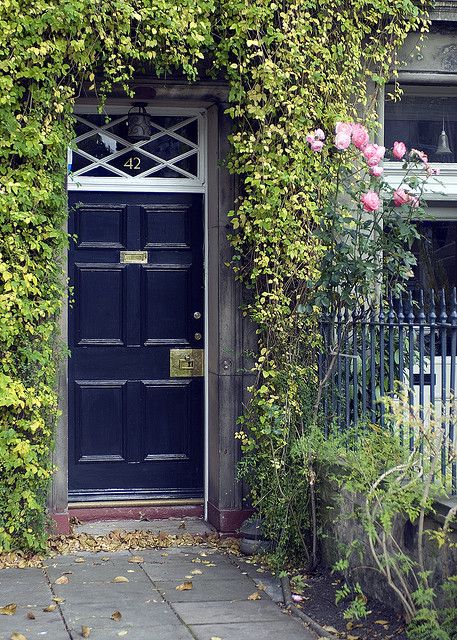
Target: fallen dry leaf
261 586
120 579
116 615
215 638
50 608
30 615
79 560
197 572
255 596
17 636
330 629
122 633
85 631
136 559
8 609
58 600
381 622
349 637
185 586
62 580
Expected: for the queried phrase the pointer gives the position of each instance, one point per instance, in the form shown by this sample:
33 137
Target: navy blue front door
134 430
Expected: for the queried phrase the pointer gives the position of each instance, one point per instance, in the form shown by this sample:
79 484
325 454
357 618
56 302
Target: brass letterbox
134 257
186 363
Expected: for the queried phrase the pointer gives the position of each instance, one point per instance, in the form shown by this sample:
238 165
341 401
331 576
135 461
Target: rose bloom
316 145
343 127
399 150
432 171
342 140
414 201
319 134
360 136
420 154
376 171
309 138
370 201
400 197
373 152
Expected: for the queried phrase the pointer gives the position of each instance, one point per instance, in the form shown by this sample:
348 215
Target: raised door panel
165 304
100 414
166 420
99 300
165 226
100 226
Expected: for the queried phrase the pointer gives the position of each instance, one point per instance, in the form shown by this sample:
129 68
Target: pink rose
399 150
342 140
376 171
400 197
319 134
419 154
373 152
414 201
432 171
373 162
316 145
343 127
309 138
359 136
370 201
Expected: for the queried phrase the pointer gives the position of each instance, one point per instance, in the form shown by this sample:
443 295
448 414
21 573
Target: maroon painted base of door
135 432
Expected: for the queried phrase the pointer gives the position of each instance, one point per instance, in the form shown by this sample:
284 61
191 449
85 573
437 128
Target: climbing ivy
48 48
294 66
290 66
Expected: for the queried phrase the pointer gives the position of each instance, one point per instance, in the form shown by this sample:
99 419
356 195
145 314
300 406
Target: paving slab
24 587
151 607
208 590
223 612
283 629
45 626
134 613
164 633
171 526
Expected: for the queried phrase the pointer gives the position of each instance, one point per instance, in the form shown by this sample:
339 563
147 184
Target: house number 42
133 163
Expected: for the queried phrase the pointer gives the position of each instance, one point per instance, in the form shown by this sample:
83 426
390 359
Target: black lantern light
139 123
443 148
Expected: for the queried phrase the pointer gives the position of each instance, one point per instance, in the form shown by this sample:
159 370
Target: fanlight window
102 148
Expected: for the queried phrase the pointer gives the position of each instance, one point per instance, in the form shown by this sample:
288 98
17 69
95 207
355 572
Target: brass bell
443 148
139 123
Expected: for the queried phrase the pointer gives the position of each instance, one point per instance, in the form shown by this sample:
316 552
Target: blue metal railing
411 340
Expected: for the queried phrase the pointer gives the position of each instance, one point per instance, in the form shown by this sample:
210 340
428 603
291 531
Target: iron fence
411 340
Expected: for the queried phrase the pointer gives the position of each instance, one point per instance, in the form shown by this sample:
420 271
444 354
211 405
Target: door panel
134 431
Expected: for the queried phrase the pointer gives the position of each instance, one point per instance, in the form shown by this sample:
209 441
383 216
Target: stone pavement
217 607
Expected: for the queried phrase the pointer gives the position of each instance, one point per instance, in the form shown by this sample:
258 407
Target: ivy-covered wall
291 66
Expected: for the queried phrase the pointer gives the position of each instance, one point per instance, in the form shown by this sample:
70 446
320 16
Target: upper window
425 118
104 149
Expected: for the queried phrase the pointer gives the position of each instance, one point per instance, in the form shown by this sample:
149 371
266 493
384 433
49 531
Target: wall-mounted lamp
443 148
139 123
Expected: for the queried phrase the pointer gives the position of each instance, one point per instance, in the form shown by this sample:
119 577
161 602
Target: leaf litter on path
8 609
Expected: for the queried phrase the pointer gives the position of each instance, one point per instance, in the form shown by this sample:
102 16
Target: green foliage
294 66
47 49
391 485
290 66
